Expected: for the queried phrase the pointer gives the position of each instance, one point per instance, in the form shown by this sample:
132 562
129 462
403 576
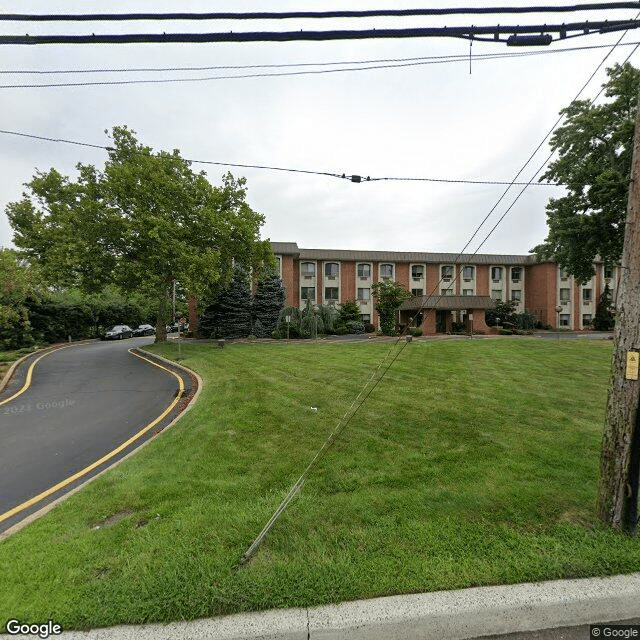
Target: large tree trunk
163 312
615 496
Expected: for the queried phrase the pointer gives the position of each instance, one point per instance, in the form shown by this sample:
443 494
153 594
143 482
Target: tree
229 314
603 320
15 288
143 222
268 302
504 313
388 296
594 149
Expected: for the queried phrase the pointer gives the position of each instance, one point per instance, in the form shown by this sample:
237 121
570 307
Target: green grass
472 463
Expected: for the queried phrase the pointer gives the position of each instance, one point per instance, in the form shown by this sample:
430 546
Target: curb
48 507
455 615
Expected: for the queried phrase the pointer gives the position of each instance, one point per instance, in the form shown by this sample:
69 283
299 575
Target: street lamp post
558 310
288 318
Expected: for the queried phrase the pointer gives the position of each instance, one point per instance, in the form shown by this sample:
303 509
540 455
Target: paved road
83 402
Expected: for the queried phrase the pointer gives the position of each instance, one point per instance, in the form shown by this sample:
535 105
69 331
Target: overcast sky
420 121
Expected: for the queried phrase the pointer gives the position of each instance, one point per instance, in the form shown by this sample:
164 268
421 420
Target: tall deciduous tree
594 149
15 287
142 222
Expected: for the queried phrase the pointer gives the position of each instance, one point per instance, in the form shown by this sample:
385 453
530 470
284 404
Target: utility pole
618 490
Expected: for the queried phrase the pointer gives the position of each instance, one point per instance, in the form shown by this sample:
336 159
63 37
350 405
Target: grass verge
472 463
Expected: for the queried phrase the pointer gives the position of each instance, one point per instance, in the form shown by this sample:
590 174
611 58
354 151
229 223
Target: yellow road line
108 456
27 381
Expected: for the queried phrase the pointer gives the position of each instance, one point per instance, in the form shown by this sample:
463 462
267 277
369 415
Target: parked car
118 332
144 330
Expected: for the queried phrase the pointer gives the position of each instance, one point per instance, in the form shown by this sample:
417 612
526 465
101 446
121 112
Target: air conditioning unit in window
385 278
468 279
308 277
564 302
364 278
587 302
516 280
446 279
363 301
564 279
417 279
331 277
496 280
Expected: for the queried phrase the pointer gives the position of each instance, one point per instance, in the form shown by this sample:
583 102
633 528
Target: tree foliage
388 297
594 149
268 302
15 288
604 320
228 315
142 222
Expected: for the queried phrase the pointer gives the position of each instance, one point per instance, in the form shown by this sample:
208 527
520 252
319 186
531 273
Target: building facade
468 282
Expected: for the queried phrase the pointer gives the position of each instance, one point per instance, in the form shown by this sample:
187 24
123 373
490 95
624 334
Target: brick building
446 286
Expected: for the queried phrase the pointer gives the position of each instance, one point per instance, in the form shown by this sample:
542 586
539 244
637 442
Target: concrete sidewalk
443 615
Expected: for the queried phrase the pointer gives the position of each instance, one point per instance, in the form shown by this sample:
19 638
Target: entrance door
441 321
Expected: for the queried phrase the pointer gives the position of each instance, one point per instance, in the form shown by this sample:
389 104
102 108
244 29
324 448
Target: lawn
7 358
472 463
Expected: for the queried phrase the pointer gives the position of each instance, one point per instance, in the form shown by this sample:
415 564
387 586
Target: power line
343 176
272 15
394 63
517 34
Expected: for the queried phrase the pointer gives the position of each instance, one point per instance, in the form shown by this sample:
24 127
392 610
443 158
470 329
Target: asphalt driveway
82 404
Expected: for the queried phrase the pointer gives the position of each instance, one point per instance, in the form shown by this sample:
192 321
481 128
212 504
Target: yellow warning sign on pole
632 365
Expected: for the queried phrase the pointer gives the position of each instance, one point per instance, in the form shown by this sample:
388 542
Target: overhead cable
272 15
343 176
494 33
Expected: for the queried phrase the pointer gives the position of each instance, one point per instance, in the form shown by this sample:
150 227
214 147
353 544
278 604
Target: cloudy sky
434 119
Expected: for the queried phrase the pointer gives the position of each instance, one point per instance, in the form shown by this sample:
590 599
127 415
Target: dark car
144 330
118 332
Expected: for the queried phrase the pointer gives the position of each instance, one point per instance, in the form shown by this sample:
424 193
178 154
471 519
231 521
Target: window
386 271
365 317
467 273
516 274
586 319
416 292
496 273
496 294
608 272
446 292
308 268
564 274
565 295
587 295
331 293
364 294
364 270
308 293
516 295
564 319
279 267
446 272
467 292
331 269
417 271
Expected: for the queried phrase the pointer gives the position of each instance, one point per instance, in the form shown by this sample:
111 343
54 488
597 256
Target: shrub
368 327
349 312
415 331
355 327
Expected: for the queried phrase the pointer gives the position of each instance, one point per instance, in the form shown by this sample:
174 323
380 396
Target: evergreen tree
228 315
268 302
604 320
